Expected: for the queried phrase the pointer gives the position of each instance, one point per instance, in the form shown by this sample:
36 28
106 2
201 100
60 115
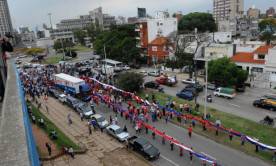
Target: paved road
241 105
225 155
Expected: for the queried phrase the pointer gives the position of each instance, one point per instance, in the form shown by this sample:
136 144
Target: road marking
234 105
170 161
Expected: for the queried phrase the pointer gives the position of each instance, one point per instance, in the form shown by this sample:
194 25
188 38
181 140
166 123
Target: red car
166 81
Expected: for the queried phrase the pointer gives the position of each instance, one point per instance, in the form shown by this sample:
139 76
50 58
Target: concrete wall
13 141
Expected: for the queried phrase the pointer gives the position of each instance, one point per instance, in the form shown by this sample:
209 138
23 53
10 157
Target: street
225 156
241 105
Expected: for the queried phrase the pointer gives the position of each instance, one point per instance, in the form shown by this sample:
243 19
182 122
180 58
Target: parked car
151 84
85 109
240 88
197 87
188 81
187 95
169 81
117 132
135 66
143 72
144 147
62 98
154 73
53 92
100 120
72 102
126 67
211 86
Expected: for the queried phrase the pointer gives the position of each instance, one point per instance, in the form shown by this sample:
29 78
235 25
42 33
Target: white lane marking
170 161
234 105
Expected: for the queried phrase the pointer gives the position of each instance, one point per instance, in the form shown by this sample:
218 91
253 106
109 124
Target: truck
268 104
70 84
225 92
144 147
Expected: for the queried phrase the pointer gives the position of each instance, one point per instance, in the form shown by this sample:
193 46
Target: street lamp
105 53
206 84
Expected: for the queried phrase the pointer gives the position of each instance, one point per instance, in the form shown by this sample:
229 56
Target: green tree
34 51
130 81
120 44
267 23
225 73
267 37
58 45
80 35
92 31
202 21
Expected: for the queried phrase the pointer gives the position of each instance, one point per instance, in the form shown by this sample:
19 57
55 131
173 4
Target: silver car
117 132
100 120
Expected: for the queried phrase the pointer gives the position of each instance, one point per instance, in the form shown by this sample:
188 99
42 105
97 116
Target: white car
154 73
126 67
62 98
100 120
117 132
188 81
143 72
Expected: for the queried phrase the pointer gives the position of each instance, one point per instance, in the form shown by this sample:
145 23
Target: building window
154 48
261 56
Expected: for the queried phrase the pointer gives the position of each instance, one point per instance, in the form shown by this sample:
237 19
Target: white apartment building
227 9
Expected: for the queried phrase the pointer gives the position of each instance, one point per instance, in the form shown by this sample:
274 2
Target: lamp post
206 90
105 52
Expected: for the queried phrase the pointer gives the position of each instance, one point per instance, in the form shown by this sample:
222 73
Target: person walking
171 144
81 116
71 152
190 130
89 129
191 155
231 134
47 109
69 119
49 149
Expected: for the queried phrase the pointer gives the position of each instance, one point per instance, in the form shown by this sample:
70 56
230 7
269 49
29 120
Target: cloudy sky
35 12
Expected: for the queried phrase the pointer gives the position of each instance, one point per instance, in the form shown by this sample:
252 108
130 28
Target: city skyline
39 9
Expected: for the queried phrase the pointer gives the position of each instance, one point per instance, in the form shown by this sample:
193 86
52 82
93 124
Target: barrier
33 154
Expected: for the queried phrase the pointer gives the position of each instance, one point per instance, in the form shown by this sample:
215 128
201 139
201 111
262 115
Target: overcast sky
34 13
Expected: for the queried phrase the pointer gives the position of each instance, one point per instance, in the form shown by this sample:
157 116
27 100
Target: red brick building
158 49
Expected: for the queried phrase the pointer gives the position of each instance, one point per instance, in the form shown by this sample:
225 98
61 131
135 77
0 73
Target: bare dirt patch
122 157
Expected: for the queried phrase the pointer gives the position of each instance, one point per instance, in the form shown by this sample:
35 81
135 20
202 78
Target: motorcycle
209 99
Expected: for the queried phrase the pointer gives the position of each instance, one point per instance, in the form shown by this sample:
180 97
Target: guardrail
17 144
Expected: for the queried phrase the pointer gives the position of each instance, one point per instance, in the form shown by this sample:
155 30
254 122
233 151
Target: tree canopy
130 81
65 44
225 73
267 23
80 35
120 44
202 21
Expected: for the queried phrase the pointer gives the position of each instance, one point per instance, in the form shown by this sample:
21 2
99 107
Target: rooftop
246 57
263 49
69 78
159 41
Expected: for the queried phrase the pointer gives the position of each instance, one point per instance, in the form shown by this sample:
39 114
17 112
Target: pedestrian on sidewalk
243 138
166 118
69 119
89 129
190 130
153 134
71 152
163 138
49 149
47 109
110 119
125 129
81 116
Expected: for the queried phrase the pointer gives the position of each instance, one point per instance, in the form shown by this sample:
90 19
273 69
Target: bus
118 66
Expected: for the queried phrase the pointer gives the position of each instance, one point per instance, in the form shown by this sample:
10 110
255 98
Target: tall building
227 9
270 12
5 18
142 13
253 12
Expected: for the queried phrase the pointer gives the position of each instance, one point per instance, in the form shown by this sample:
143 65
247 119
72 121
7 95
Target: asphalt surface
224 155
241 105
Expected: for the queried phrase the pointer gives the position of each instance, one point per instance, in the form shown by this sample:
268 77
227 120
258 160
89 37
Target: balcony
138 45
17 145
137 29
137 38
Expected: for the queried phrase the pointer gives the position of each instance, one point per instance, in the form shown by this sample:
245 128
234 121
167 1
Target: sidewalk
101 147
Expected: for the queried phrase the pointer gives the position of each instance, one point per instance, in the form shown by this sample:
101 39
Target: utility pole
50 18
105 60
195 65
